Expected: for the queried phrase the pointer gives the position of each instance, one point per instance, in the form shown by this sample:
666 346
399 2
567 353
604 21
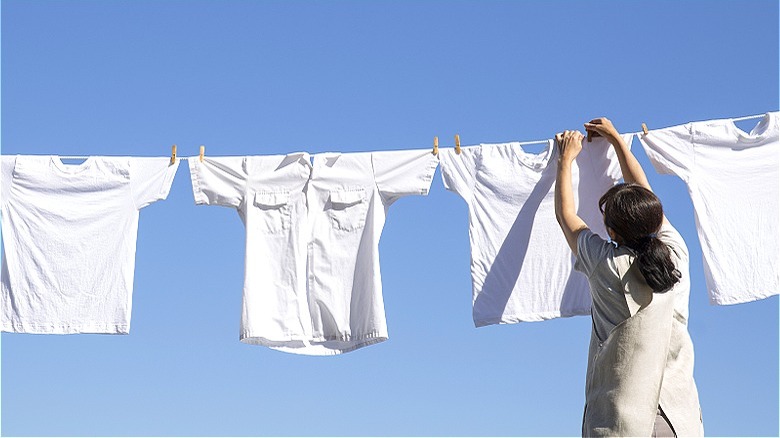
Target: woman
640 361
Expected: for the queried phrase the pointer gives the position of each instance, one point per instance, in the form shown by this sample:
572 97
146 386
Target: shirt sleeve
670 150
6 176
219 180
458 171
591 250
402 173
670 236
613 169
151 179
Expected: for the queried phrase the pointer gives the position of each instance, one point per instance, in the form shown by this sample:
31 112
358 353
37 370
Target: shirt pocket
272 211
347 209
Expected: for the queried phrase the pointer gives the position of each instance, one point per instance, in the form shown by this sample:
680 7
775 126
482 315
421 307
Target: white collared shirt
521 266
312 283
69 239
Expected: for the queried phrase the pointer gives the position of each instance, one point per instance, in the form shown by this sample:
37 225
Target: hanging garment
312 282
732 178
69 238
521 266
641 354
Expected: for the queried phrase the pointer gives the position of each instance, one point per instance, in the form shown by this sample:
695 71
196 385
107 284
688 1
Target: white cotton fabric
732 178
312 283
521 266
69 239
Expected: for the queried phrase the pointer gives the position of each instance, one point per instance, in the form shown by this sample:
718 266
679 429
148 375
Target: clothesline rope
739 119
84 157
522 143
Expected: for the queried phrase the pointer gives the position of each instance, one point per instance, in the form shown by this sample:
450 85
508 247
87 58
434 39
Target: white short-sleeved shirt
521 266
732 178
312 283
69 238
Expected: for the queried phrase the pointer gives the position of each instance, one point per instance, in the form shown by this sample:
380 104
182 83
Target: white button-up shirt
312 283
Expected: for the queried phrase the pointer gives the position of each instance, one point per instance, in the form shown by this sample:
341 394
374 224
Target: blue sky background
244 77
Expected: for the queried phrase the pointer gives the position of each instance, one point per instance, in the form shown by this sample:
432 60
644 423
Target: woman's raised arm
632 170
570 145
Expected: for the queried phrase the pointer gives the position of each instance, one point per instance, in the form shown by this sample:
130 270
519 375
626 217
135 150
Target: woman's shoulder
597 255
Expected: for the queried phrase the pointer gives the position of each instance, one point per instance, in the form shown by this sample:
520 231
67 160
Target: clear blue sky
270 77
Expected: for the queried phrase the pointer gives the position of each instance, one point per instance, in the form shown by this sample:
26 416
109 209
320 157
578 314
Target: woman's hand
603 127
570 144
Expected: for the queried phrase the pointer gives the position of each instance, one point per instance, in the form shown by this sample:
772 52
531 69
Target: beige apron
626 371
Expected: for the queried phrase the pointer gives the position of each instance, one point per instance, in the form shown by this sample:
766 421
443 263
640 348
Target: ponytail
635 214
655 263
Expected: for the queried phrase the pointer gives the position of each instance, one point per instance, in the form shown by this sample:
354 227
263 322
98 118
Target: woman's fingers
594 127
566 137
601 125
595 130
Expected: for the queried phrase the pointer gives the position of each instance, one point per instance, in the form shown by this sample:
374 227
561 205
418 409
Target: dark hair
636 214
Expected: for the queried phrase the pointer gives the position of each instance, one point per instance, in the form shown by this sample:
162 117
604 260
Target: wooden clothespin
592 135
173 154
644 129
202 151
435 145
457 144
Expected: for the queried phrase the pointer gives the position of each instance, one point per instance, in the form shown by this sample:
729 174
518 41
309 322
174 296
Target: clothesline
739 119
317 241
83 157
522 143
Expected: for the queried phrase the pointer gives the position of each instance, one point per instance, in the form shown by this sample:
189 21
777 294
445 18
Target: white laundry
521 266
732 178
69 239
312 283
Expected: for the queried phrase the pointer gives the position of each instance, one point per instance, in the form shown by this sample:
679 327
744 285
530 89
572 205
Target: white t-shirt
312 283
732 178
69 236
521 266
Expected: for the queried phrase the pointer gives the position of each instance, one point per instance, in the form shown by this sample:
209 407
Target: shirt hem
731 300
531 317
322 346
53 329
